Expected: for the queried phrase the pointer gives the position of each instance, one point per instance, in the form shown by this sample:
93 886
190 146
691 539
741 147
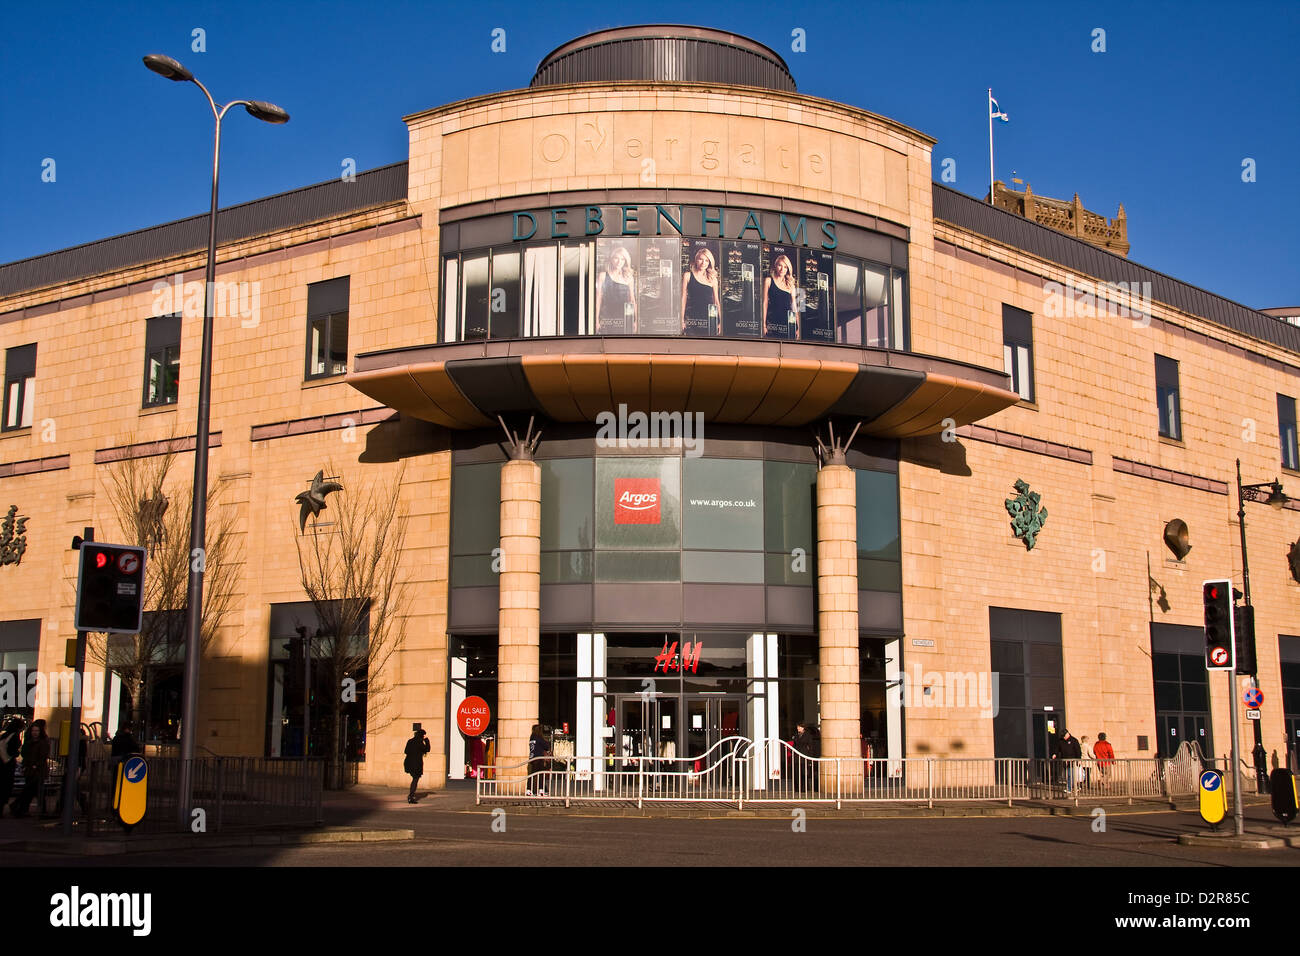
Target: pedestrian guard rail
232 793
741 771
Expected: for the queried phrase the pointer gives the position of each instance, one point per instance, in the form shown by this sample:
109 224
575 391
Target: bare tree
349 556
155 514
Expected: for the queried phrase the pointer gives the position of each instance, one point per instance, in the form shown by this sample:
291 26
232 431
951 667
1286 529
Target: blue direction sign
1254 698
131 795
1214 803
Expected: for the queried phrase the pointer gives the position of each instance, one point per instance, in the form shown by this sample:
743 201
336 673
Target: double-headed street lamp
269 113
1269 493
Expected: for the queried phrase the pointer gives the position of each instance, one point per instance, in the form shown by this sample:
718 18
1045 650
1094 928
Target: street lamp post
1270 493
270 113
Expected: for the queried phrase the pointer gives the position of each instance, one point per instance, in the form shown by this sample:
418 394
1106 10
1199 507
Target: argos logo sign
636 500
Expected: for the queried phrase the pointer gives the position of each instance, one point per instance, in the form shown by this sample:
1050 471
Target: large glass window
1167 398
308 665
1018 350
475 524
638 504
671 518
788 521
541 265
879 555
475 297
327 328
162 360
20 643
1289 661
504 323
20 386
669 285
1286 426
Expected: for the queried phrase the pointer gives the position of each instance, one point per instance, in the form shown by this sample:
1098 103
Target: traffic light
1219 639
1245 631
110 588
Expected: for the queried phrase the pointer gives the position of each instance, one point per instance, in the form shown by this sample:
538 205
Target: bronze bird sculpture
313 499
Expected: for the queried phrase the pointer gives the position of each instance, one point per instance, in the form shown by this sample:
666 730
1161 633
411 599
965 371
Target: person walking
1070 751
539 748
35 755
1105 755
416 748
11 744
808 748
1085 768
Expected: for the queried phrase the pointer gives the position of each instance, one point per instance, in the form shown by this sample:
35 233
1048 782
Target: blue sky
1161 121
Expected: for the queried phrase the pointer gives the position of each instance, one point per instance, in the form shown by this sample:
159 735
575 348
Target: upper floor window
327 328
162 360
1018 350
1286 426
1167 398
672 286
20 386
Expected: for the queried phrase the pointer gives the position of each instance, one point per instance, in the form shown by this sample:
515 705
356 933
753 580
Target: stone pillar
837 626
519 615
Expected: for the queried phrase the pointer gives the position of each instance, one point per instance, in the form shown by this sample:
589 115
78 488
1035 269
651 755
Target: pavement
369 825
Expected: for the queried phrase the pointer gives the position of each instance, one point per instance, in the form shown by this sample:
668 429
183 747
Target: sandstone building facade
619 243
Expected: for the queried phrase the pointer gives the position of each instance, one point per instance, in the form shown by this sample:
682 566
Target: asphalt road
460 836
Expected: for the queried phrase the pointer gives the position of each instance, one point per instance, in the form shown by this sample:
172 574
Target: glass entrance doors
645 726
710 719
672 726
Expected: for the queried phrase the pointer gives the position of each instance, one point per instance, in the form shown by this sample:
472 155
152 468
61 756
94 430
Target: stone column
519 615
837 625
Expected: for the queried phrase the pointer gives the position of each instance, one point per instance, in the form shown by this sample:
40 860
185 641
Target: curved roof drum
665 53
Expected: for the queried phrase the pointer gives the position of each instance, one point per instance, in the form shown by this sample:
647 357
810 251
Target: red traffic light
101 559
1212 592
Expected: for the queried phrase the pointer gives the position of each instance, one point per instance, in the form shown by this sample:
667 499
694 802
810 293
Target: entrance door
1174 728
644 724
711 719
1046 728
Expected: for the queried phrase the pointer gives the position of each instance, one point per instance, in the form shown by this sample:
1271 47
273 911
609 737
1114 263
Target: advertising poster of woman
815 280
741 272
701 301
780 293
658 311
615 288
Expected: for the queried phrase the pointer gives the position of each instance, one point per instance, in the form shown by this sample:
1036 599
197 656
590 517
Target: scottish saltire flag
995 111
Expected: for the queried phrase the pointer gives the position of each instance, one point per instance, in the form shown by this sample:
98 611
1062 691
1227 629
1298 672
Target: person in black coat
36 766
1067 748
806 744
416 748
11 744
539 748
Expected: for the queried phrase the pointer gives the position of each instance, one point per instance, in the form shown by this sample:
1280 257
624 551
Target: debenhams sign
704 222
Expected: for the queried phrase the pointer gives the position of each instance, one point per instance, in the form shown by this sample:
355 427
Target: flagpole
990 145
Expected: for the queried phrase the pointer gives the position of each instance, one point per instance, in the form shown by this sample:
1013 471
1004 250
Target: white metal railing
738 770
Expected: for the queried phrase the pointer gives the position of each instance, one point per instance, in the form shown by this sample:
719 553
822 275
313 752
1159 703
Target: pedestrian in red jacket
1104 753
